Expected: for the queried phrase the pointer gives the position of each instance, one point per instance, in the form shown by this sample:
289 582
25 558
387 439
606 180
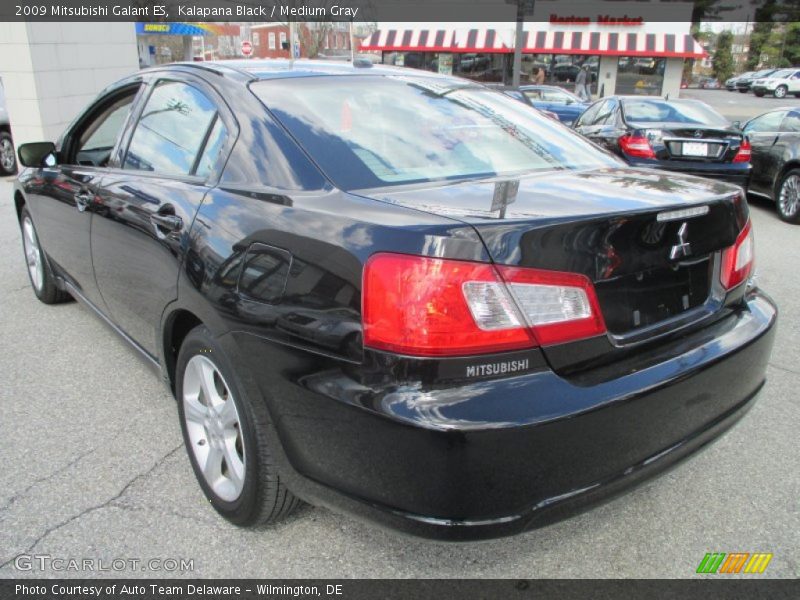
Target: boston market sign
624 20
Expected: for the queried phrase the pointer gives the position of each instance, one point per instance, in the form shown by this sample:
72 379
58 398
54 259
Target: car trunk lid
648 270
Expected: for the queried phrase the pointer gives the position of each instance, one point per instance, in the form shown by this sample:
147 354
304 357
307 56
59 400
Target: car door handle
82 200
166 223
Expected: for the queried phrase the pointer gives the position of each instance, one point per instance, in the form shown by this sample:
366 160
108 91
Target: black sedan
677 135
396 294
745 82
775 138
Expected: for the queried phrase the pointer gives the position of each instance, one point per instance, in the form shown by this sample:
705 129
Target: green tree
722 60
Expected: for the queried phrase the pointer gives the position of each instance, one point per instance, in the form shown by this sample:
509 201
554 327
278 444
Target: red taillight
744 153
636 146
425 306
737 260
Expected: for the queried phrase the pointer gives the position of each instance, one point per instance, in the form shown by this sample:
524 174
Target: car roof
264 69
538 86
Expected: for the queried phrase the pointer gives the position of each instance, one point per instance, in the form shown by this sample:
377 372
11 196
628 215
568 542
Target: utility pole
352 44
291 44
517 68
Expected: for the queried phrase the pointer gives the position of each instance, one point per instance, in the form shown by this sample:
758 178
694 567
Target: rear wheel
226 435
759 94
41 276
780 91
789 197
8 160
742 91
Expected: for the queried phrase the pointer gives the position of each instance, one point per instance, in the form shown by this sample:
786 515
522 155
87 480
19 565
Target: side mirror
37 154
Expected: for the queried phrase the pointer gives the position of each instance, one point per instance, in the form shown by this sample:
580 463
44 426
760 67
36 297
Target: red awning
536 42
437 40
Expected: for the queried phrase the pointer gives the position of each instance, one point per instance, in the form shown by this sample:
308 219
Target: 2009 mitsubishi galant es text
398 294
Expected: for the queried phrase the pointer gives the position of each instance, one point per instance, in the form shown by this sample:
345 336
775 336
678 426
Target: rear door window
768 123
179 132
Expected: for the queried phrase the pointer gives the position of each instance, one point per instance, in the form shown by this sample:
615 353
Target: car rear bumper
498 457
736 173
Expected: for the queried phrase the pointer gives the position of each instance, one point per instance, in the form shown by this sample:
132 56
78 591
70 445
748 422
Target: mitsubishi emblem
683 248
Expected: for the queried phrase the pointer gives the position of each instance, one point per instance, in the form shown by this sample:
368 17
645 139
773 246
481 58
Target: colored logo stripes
735 562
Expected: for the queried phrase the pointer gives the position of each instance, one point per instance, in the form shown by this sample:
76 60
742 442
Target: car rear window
664 111
374 131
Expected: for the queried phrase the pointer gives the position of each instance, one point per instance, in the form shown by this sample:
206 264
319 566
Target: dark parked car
566 105
730 83
775 138
743 84
8 158
565 72
527 325
678 135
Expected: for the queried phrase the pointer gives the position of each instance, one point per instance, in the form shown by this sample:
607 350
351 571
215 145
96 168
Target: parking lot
736 106
95 467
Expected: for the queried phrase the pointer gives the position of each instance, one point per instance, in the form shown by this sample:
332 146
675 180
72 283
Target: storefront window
640 76
559 69
486 67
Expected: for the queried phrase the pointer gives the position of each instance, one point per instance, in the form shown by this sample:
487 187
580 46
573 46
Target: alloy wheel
7 159
214 428
780 91
789 198
33 254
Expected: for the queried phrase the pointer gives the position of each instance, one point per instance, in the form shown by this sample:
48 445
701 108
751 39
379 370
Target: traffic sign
247 48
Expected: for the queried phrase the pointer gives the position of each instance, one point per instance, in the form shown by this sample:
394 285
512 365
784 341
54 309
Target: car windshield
374 131
672 111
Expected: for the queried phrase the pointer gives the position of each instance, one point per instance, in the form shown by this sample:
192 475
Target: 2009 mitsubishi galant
397 293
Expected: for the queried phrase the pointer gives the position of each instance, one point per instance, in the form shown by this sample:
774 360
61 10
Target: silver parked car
8 159
779 84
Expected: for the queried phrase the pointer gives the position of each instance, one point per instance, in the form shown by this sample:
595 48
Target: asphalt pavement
94 468
737 106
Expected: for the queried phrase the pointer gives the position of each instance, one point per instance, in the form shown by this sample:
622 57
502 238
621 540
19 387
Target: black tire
780 91
759 94
47 289
742 91
787 210
263 498
8 159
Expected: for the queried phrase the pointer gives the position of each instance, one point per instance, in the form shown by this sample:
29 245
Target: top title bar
372 11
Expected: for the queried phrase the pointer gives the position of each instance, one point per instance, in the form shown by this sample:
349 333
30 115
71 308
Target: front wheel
780 91
226 435
789 197
41 276
759 94
742 91
8 160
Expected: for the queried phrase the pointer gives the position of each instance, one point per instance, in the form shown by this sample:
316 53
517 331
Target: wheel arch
177 326
19 203
791 164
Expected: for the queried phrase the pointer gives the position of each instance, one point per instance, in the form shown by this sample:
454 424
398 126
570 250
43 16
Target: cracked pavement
94 468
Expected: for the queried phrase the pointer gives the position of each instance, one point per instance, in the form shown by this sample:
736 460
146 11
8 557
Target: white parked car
779 84
8 158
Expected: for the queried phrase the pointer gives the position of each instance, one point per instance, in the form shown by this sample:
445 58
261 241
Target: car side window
791 123
589 114
555 97
179 132
97 137
535 95
767 123
606 114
